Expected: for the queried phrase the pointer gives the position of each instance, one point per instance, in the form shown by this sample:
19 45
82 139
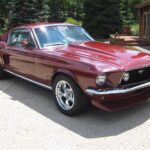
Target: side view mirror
24 43
3 44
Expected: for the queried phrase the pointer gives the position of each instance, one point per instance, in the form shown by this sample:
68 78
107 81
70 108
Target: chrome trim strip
35 82
116 91
36 38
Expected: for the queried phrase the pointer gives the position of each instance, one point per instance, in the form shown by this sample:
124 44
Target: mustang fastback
79 70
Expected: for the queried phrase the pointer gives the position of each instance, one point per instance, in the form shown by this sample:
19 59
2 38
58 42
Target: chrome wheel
64 95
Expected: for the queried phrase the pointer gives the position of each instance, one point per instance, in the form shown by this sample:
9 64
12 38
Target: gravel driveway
29 120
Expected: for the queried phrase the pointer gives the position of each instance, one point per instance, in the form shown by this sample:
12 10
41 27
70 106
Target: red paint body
83 62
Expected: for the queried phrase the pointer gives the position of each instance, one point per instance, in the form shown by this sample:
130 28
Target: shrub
135 29
73 21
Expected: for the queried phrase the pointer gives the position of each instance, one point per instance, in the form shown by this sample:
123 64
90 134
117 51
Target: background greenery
100 17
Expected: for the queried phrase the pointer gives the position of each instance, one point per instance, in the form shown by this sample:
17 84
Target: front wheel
69 98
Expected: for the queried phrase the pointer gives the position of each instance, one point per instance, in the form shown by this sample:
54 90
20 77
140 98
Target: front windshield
61 34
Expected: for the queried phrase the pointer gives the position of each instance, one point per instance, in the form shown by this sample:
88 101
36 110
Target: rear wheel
69 98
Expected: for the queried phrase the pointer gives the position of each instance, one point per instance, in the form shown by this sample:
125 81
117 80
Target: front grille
137 76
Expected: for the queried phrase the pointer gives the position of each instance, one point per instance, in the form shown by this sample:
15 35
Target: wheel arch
68 74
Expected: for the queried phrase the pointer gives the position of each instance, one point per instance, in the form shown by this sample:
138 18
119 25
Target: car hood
96 52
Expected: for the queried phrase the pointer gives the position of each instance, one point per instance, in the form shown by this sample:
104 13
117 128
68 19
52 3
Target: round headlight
126 76
100 80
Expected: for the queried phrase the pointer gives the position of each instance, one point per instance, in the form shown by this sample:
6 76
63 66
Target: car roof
36 25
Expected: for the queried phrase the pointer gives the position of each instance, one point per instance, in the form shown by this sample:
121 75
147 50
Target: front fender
83 80
65 72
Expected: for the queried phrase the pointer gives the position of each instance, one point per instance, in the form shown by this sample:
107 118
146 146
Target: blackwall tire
68 96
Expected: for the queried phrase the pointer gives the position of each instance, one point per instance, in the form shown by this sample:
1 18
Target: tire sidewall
79 97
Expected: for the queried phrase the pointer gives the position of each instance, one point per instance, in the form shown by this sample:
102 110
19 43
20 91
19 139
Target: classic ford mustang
79 71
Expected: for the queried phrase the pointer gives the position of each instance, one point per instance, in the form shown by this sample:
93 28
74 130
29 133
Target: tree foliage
27 11
30 11
102 18
60 10
128 11
22 11
42 10
3 12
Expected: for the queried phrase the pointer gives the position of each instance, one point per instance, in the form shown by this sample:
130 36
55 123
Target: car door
20 53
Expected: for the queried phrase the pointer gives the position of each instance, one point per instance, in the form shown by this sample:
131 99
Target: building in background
144 13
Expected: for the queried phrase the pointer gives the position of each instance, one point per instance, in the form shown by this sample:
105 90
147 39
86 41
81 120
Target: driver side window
17 37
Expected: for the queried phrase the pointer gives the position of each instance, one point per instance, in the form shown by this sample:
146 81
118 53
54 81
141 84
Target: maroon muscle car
79 71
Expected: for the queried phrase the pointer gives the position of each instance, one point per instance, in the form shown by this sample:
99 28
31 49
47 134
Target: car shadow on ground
94 123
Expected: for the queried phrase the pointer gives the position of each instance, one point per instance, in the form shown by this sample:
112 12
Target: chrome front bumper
117 90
